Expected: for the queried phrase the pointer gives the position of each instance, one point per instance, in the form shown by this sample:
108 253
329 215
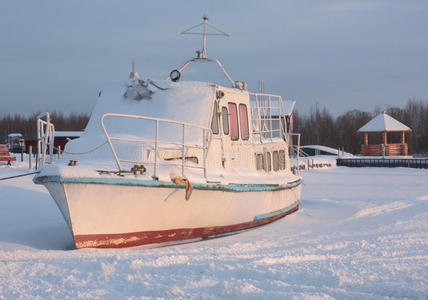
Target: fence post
30 156
37 157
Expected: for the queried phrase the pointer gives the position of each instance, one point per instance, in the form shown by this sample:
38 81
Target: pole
204 49
30 156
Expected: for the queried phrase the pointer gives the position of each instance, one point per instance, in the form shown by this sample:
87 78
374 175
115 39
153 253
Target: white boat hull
120 215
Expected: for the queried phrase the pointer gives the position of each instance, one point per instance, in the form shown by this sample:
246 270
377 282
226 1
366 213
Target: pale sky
57 55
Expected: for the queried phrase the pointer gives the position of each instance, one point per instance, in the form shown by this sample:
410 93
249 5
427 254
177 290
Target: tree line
26 125
318 127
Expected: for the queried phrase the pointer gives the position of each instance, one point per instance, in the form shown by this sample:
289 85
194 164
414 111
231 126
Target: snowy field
362 233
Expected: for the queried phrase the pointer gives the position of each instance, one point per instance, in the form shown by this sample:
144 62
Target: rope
80 153
26 174
155 85
189 188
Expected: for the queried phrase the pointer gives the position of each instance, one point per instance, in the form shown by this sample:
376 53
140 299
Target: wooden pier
419 163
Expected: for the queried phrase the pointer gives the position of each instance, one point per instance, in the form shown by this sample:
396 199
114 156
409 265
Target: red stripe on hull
119 240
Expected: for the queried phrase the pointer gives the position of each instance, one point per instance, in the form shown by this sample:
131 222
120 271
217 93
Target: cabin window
260 162
281 159
243 120
233 121
214 121
268 162
275 160
225 120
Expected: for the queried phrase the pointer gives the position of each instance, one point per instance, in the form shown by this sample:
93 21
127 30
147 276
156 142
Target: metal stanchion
30 156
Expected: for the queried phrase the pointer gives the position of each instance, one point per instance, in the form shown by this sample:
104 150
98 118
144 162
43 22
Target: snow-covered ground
362 233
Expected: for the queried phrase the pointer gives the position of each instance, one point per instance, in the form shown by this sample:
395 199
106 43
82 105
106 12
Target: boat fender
189 188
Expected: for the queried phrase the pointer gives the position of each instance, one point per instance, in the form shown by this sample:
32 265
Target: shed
288 112
383 124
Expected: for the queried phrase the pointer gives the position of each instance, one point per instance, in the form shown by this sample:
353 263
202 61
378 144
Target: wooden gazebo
384 123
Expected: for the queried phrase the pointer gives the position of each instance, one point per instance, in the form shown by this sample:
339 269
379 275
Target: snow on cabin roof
383 122
289 107
14 135
189 102
68 133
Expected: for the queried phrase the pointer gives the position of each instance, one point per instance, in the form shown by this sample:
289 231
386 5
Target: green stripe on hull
231 187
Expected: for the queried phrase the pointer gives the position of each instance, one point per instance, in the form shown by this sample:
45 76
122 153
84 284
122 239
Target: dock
419 163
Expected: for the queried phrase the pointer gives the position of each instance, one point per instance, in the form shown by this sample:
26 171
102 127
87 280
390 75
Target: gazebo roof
383 122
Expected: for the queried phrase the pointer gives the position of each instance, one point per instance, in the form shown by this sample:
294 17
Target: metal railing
294 149
45 139
267 116
156 145
419 163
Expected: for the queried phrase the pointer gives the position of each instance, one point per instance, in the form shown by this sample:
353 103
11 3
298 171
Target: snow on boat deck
361 233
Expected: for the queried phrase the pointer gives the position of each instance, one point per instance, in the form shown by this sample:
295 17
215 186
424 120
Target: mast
204 45
201 55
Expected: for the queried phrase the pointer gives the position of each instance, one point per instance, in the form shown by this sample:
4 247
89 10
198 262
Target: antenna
133 74
203 52
201 55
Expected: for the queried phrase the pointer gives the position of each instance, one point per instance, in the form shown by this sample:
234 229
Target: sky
342 55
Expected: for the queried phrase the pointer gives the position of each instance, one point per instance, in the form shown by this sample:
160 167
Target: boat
166 161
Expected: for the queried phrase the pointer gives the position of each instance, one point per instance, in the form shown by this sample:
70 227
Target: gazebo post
404 146
366 138
384 138
385 149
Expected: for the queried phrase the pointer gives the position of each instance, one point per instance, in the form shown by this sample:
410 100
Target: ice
361 233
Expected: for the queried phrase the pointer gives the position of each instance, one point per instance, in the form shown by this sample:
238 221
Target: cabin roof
383 122
189 102
289 107
68 133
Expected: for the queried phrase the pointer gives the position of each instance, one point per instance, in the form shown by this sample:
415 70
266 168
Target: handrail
265 110
207 136
45 138
183 66
295 148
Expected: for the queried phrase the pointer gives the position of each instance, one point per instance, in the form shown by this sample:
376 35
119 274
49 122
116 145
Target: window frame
225 120
268 164
260 161
282 160
235 110
215 120
275 160
241 122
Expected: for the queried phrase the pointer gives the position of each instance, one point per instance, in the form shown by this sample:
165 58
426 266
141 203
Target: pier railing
156 147
419 163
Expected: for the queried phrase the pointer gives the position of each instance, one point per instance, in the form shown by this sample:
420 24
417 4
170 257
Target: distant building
384 124
61 138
